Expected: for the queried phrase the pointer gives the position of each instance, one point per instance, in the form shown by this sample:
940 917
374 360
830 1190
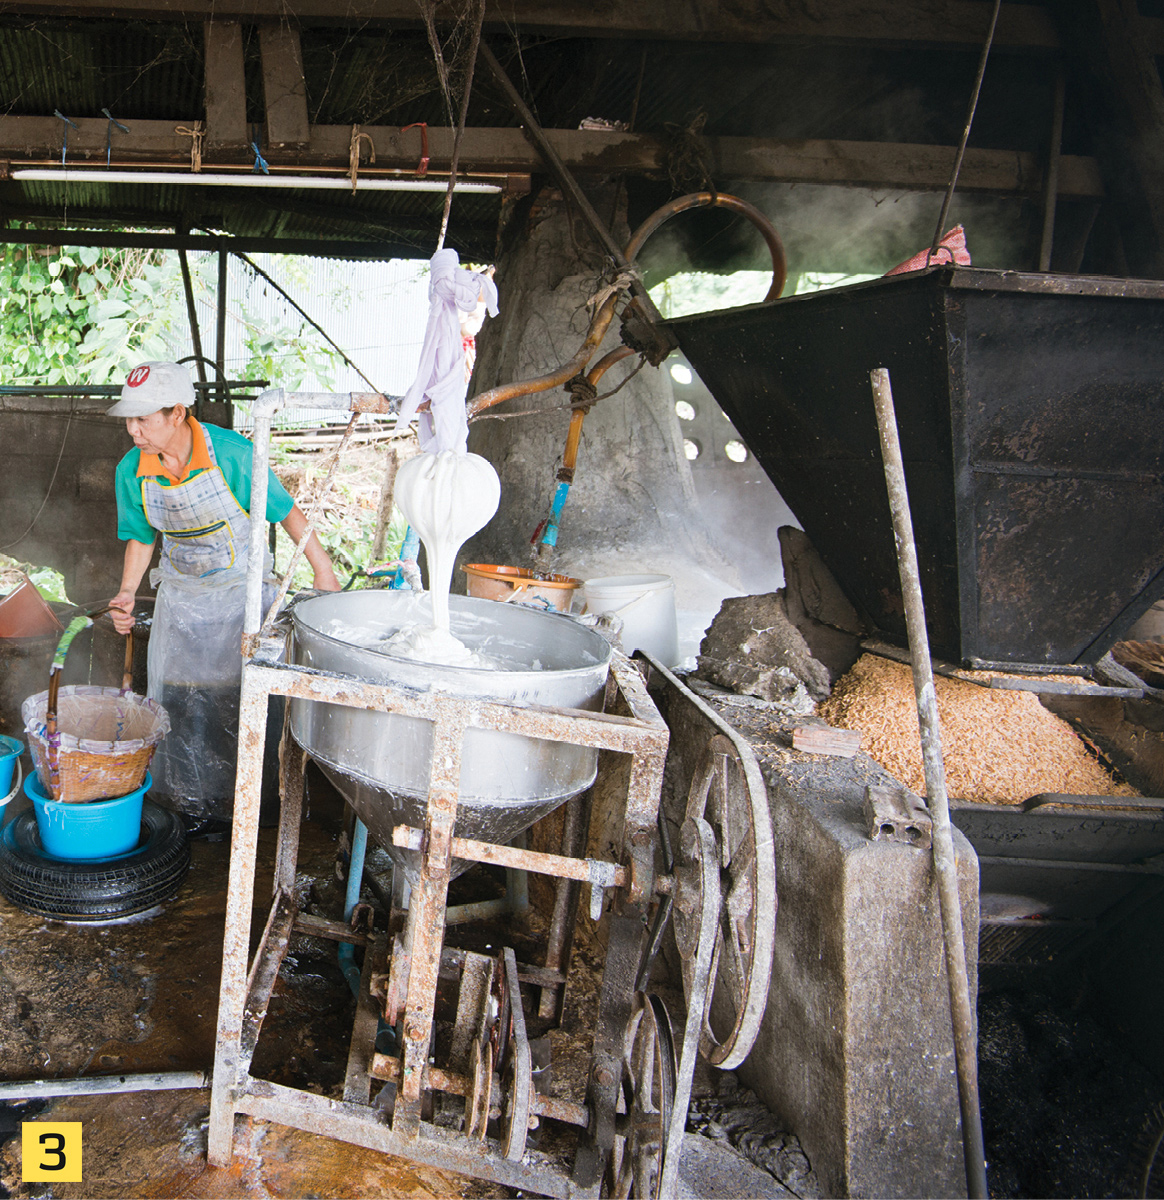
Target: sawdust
1000 746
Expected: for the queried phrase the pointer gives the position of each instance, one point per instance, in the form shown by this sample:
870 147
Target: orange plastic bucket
520 585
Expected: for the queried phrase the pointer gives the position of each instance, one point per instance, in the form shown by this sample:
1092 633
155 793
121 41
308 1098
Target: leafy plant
82 314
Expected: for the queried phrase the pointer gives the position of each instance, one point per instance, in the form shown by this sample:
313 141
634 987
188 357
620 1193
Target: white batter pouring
446 498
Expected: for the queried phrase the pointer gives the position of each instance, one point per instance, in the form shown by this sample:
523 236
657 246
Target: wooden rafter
504 151
956 22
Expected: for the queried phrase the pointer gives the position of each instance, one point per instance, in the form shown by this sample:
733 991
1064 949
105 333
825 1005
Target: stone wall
56 467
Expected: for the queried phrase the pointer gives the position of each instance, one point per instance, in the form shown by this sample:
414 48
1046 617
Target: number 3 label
50 1150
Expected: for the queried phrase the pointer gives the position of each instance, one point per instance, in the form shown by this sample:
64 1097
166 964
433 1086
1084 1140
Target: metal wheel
732 798
648 1094
477 1104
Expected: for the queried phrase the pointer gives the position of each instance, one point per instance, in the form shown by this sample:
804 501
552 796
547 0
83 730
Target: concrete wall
633 506
45 452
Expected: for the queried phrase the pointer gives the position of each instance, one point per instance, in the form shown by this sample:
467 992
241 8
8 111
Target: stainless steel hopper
381 762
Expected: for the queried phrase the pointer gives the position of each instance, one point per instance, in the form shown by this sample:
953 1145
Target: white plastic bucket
646 606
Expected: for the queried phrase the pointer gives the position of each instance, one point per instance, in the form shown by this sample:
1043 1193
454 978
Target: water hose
347 950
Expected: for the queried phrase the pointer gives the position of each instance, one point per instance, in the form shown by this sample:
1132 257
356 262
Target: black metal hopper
1031 410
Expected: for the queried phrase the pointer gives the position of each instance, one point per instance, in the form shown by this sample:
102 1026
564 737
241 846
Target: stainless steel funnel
380 762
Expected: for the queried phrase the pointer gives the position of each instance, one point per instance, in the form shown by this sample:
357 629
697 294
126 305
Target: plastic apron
195 657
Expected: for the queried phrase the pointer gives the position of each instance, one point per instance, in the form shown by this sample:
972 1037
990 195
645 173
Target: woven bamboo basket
91 743
107 739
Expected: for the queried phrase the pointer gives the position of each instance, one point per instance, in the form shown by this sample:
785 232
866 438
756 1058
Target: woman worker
193 483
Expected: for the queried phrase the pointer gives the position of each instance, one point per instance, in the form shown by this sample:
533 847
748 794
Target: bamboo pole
945 864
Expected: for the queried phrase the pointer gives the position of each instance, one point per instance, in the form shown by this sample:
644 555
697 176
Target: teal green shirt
233 452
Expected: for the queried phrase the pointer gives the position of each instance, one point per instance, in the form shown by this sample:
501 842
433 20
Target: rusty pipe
717 200
543 383
549 528
574 433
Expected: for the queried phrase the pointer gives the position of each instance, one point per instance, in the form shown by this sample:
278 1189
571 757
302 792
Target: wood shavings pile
1000 746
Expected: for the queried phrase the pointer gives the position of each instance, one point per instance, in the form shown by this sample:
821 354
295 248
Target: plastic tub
10 751
518 584
98 829
646 606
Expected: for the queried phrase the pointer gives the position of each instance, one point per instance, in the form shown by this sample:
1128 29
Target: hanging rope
48 490
65 142
196 134
472 62
965 133
354 154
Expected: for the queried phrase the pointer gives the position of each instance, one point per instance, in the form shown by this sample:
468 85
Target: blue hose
347 951
408 550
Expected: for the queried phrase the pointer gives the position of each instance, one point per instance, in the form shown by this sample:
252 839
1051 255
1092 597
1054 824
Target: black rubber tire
94 891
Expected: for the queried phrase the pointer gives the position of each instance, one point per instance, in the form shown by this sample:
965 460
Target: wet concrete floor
80 1000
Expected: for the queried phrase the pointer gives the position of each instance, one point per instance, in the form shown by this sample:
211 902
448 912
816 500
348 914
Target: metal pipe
718 200
333 183
102 1085
945 864
543 383
549 539
965 133
265 407
114 389
567 182
1051 181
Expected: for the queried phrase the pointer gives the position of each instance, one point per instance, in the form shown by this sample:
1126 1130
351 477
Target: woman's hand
325 580
121 610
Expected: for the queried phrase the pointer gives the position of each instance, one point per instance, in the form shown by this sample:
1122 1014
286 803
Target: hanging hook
109 134
65 141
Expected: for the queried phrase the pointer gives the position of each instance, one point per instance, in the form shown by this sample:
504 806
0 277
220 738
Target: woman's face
153 434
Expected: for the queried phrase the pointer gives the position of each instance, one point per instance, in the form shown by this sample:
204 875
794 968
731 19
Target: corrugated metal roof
376 75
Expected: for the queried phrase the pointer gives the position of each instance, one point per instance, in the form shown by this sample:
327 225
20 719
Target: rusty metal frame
642 735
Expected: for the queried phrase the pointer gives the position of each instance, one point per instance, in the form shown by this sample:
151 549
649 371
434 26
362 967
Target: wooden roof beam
905 166
956 22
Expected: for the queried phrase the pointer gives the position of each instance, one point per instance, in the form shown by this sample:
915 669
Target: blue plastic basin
10 750
96 829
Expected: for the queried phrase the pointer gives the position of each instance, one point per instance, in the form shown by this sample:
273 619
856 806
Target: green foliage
288 349
83 315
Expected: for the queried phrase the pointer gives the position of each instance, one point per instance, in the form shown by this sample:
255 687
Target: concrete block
856 1052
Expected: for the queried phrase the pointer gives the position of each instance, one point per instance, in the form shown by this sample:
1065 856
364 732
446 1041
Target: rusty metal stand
631 727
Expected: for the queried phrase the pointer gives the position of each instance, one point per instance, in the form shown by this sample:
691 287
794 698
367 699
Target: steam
839 230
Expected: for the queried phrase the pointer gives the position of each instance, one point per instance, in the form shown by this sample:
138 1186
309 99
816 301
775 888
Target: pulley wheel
648 1094
731 796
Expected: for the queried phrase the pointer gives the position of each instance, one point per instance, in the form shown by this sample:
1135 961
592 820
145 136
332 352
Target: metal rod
945 864
220 345
1051 181
101 1085
192 315
965 132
